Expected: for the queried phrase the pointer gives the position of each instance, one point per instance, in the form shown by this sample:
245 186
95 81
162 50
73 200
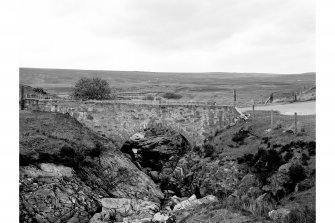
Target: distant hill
67 77
194 86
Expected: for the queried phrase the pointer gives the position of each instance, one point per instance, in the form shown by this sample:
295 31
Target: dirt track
302 108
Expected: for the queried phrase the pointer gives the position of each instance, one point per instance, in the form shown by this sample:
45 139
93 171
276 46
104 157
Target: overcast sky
274 36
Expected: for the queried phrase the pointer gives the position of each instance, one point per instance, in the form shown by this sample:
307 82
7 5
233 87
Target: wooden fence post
253 109
234 97
271 119
271 98
295 123
22 98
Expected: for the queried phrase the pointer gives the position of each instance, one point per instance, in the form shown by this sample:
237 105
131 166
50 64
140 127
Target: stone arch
141 128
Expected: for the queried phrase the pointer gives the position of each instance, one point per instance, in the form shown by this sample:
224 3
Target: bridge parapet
119 119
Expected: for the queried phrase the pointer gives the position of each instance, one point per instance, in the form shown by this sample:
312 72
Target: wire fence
296 124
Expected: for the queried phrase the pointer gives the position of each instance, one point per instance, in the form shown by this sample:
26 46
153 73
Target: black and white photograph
166 111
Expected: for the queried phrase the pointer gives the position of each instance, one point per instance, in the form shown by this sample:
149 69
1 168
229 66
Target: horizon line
176 72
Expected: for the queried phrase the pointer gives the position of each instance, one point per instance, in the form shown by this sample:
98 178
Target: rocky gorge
70 174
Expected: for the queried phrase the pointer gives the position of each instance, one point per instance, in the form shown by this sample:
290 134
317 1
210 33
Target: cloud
177 24
170 35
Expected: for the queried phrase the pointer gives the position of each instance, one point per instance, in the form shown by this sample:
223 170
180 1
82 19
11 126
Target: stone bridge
119 119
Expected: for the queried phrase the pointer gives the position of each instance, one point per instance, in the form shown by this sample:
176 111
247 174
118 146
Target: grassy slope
48 133
258 126
58 131
225 147
193 86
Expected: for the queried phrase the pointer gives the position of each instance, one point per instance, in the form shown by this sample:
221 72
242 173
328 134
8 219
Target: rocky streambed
70 174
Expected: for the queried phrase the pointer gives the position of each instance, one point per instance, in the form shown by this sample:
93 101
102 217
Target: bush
39 90
208 149
196 149
171 95
297 173
149 97
246 158
304 214
240 135
96 151
26 160
264 163
67 152
92 88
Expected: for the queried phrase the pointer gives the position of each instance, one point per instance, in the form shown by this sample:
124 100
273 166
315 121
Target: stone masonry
120 120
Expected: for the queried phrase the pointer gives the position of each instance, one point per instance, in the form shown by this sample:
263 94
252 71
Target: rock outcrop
157 151
156 177
64 176
126 210
53 194
279 214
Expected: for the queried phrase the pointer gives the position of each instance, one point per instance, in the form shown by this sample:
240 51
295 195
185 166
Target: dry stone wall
121 120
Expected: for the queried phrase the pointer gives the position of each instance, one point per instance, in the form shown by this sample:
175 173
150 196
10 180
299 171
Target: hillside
70 174
215 86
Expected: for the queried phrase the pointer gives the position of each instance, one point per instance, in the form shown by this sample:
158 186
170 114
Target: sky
266 36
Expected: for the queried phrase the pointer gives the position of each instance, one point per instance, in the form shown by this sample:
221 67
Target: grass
192 86
57 138
229 141
303 214
230 210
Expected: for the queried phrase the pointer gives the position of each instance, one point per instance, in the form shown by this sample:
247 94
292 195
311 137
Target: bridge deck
138 102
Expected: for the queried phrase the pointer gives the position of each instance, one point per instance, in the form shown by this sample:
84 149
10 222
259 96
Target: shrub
246 158
149 97
46 158
196 149
26 160
311 148
302 215
208 149
305 159
165 180
92 88
265 163
96 151
240 135
171 95
39 90
297 173
288 155
67 152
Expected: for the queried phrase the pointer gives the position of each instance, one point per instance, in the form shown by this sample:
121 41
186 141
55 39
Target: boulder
154 176
163 218
130 208
158 149
137 137
104 216
56 170
279 214
128 180
193 202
